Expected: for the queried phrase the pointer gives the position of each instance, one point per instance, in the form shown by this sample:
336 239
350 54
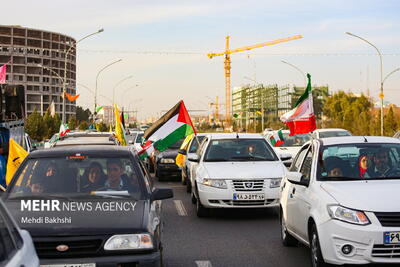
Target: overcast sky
137 31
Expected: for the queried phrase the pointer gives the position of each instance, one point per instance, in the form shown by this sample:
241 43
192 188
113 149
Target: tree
83 126
82 115
34 126
51 124
390 123
72 123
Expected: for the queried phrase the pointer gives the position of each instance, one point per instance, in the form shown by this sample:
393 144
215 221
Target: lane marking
180 208
203 263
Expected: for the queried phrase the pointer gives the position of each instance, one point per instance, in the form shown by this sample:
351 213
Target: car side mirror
182 151
193 158
296 178
162 193
285 156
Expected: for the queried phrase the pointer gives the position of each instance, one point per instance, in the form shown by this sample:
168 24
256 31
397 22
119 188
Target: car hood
373 195
290 150
240 170
98 219
170 153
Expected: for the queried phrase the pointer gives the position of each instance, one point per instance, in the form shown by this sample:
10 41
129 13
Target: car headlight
133 241
167 161
275 182
348 215
219 183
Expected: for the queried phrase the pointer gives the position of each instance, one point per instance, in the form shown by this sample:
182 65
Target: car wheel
316 255
201 211
287 239
159 175
194 199
188 186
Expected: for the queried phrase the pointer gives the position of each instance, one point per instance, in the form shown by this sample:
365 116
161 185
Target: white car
291 144
341 198
235 171
330 132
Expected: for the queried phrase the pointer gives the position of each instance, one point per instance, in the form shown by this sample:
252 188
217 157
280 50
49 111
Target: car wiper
216 159
110 194
342 178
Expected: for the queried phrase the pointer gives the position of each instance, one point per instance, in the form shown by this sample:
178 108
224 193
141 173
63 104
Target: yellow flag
15 156
180 159
119 129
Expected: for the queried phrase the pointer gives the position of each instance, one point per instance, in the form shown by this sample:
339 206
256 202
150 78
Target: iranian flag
301 119
170 128
64 129
277 138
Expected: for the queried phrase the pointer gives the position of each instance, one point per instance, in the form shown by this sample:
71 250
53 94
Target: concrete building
25 48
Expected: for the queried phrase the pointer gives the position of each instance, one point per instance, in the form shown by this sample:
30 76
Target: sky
163 46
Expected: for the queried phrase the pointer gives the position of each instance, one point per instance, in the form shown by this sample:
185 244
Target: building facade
36 61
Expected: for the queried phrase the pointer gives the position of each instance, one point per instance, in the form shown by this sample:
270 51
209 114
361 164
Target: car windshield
83 177
359 161
139 138
195 144
294 140
177 145
333 134
239 150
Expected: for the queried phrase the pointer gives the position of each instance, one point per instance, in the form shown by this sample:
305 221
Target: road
228 238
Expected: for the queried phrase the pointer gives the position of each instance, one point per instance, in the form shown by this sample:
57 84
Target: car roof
93 150
216 136
85 138
357 140
330 130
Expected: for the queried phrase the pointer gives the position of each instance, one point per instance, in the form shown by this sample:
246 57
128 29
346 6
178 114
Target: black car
164 162
88 206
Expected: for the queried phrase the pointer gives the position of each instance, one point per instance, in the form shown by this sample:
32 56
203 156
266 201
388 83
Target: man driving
114 176
381 162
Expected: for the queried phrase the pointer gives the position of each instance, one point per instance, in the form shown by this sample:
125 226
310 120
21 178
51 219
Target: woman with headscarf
363 165
93 178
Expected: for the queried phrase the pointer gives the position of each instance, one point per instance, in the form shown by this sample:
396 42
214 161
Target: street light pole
381 95
118 83
298 69
126 91
52 71
97 77
65 70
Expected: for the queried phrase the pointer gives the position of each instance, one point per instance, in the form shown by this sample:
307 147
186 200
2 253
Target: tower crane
227 66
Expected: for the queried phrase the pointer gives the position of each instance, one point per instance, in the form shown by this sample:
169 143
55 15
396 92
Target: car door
288 188
196 165
301 201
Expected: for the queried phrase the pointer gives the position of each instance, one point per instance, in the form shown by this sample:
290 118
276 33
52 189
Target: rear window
80 175
334 134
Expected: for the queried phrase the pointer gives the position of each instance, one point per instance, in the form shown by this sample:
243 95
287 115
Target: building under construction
257 104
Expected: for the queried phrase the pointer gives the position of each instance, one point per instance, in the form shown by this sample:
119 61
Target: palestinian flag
301 119
170 128
64 129
146 151
277 138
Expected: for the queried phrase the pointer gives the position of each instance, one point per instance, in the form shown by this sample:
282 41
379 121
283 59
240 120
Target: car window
81 175
298 160
139 138
202 147
306 166
294 140
359 161
12 227
239 149
194 145
7 247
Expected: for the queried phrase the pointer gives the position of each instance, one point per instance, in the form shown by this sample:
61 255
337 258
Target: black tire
159 176
188 186
315 249
287 239
193 198
201 211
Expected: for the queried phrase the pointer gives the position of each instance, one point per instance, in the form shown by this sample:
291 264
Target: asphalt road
245 237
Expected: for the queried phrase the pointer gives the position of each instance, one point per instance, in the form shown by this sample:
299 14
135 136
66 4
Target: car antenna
365 139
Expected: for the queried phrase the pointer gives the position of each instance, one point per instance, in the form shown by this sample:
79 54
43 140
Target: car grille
248 185
386 251
47 249
389 219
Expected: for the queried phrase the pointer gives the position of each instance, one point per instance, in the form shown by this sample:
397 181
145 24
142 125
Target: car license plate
237 196
391 237
70 265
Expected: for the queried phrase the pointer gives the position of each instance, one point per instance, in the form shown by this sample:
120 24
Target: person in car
364 164
334 166
93 178
381 162
46 183
116 179
37 185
